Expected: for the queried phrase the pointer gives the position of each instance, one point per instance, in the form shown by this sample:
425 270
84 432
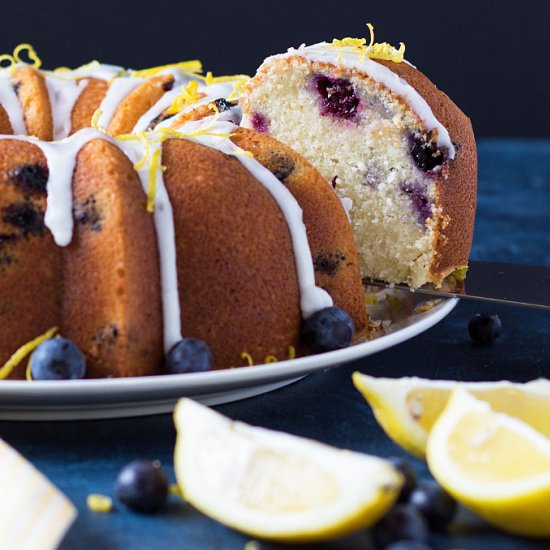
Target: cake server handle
515 284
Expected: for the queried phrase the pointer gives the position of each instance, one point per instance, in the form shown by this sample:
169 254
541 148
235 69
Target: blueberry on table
405 469
189 355
434 504
329 329
484 328
402 522
142 486
57 359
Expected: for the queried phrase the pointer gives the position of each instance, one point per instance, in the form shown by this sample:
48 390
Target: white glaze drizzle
10 103
208 94
166 238
347 57
63 93
61 158
164 102
312 297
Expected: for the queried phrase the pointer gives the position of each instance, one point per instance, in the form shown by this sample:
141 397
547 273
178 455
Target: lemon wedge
406 408
273 485
494 464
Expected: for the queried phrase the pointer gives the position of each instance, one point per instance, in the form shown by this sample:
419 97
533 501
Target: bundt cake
399 152
152 216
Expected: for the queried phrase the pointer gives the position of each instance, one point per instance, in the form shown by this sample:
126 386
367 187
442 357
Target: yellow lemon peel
270 359
460 272
291 352
99 503
192 67
374 50
154 167
248 358
188 96
95 119
23 351
15 57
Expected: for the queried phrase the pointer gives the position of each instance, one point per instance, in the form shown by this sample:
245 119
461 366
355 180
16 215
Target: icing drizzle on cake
144 149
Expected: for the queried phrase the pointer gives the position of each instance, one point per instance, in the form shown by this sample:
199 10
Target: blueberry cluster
420 507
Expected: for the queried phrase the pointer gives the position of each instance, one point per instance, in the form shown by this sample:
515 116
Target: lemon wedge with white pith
274 485
406 408
496 465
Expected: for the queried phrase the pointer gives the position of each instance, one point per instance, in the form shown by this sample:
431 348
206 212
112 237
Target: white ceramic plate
122 397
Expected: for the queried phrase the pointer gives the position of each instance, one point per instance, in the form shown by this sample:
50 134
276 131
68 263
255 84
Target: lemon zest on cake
374 50
23 351
270 359
154 167
31 54
15 58
99 503
95 119
248 358
192 67
188 95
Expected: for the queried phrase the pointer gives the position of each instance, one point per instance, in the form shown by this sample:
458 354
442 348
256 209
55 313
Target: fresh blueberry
408 545
402 522
484 328
142 486
328 329
189 355
337 97
405 469
434 504
57 359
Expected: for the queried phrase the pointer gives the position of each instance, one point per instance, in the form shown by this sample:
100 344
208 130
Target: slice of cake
399 152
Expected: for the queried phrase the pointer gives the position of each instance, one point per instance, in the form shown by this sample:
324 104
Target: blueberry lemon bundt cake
398 151
152 217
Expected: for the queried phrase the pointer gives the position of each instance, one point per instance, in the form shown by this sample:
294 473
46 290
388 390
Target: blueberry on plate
405 469
434 504
189 355
328 329
57 359
142 486
484 328
402 522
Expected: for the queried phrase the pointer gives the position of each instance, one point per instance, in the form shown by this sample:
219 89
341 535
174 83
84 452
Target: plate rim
163 385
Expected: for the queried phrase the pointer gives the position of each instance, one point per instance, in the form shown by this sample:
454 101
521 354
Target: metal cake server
520 285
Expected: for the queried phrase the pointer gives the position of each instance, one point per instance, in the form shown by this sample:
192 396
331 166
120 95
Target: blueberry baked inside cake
400 154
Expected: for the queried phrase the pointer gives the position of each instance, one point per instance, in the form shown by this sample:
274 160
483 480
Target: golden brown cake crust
237 277
329 232
5 125
35 102
87 104
111 282
457 193
30 261
137 103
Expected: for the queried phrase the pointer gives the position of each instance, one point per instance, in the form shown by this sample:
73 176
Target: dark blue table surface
512 225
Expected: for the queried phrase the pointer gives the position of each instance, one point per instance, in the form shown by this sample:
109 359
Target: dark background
491 57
